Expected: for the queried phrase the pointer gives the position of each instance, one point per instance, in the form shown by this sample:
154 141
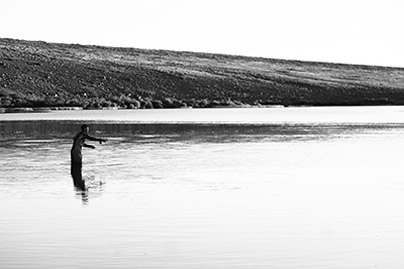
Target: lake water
211 188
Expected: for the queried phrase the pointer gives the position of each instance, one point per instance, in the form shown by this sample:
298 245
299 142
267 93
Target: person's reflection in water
84 196
76 157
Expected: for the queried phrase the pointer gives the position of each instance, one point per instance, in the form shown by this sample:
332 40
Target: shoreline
253 115
36 109
48 109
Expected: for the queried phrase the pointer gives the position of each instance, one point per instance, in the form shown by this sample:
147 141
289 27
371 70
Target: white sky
344 31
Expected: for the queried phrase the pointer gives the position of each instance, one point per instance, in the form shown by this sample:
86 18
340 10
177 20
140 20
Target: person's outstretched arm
89 146
91 138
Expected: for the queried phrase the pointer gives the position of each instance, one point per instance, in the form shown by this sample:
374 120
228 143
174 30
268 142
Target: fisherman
76 157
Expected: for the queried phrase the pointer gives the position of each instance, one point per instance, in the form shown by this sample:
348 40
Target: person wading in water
76 157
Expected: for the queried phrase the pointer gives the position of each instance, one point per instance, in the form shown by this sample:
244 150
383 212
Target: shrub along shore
37 76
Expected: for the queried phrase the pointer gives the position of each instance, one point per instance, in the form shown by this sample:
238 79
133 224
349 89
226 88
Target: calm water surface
241 188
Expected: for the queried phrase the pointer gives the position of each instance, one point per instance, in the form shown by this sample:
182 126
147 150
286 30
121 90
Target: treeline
113 101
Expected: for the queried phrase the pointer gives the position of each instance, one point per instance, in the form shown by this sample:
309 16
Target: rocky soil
39 74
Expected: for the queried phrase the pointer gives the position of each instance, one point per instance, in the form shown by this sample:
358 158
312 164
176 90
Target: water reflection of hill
207 132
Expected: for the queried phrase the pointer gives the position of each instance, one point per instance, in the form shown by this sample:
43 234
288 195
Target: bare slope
48 74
